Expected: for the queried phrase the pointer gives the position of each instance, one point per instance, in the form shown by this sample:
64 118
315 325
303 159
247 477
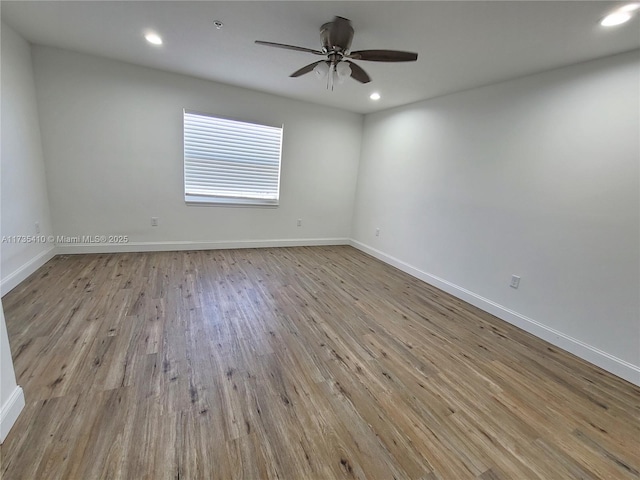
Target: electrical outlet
515 281
299 222
377 232
37 228
154 221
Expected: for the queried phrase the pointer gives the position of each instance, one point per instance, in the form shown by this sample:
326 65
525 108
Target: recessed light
153 38
621 15
616 18
374 96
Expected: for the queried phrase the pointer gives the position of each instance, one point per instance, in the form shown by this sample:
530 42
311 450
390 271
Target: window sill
202 201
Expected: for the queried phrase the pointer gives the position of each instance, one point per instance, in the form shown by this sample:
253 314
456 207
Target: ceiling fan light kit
336 37
334 74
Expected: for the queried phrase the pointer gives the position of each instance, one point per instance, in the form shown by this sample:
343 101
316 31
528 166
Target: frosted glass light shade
343 70
321 70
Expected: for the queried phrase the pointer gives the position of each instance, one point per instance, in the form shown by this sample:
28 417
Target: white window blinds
229 161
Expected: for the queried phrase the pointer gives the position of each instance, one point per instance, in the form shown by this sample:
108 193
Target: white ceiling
460 44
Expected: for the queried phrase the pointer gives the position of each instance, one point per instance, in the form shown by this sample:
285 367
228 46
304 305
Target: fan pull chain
332 71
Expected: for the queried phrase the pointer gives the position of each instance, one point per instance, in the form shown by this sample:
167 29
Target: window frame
229 201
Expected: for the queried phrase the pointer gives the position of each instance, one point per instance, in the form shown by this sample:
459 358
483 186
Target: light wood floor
293 363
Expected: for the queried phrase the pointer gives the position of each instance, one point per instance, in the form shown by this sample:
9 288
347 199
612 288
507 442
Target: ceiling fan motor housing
336 36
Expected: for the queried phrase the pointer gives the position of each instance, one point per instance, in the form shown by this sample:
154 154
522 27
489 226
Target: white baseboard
9 282
604 360
76 248
9 411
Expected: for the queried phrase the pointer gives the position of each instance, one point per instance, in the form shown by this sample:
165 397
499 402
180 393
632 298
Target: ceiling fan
336 37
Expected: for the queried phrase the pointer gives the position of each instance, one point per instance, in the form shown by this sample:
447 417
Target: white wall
23 192
537 177
112 133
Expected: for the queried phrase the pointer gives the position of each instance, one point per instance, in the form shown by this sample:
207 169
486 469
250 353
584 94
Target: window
230 162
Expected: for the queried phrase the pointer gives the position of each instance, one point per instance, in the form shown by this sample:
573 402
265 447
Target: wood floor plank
301 363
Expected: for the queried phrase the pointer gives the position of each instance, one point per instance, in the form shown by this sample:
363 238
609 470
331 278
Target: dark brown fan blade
341 33
306 69
383 56
357 73
289 47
